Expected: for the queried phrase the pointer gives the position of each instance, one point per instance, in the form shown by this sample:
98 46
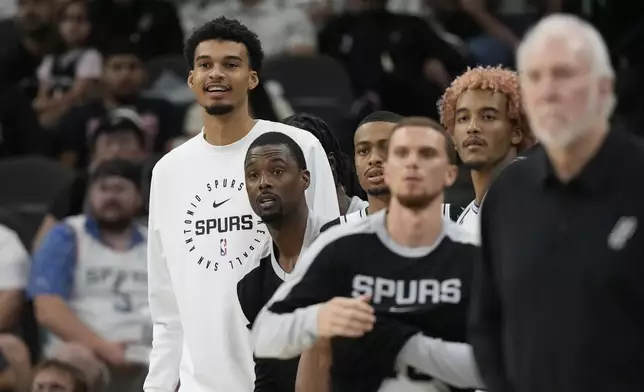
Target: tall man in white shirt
202 229
482 110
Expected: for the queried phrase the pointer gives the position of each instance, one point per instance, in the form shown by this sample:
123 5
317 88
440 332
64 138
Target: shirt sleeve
485 324
167 343
90 65
287 325
450 362
14 261
321 196
52 271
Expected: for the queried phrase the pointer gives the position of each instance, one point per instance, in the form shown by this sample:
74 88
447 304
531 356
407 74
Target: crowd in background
93 88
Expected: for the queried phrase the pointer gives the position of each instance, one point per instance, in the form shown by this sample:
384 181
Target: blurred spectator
491 29
396 59
57 376
123 77
89 278
20 132
152 25
68 76
15 364
26 39
281 30
14 270
81 358
118 136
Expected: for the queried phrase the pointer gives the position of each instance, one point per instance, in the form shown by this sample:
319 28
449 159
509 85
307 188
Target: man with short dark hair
276 178
412 264
202 227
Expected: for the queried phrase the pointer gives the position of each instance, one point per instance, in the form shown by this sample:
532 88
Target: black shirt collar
595 174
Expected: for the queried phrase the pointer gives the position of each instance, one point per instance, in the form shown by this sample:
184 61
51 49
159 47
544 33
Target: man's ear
332 161
191 83
450 175
306 177
253 80
517 136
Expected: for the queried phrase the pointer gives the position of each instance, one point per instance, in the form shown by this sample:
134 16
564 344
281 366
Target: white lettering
407 292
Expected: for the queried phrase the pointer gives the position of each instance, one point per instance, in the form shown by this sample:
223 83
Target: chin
219 109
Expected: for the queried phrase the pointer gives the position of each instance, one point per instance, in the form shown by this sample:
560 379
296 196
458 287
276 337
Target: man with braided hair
482 111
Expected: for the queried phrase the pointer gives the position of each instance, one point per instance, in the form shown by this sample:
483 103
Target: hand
345 317
114 353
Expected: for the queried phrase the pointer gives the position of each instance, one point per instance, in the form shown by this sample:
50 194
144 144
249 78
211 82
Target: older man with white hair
558 304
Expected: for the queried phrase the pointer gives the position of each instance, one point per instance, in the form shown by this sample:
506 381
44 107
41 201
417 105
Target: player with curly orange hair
482 110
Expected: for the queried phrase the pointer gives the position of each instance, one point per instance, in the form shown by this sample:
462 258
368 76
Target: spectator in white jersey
413 265
202 228
89 278
276 178
346 185
482 111
14 272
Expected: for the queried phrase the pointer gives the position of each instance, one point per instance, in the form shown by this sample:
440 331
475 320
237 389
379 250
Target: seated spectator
81 358
68 77
26 38
53 375
14 271
396 60
119 135
15 364
152 25
123 76
282 30
89 278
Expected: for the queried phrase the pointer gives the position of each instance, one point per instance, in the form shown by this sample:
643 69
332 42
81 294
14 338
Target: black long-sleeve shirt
558 301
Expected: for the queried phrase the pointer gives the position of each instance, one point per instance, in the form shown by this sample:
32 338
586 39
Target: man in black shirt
410 263
558 296
276 178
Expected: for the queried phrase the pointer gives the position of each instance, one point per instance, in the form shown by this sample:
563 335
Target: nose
216 72
264 182
473 126
377 157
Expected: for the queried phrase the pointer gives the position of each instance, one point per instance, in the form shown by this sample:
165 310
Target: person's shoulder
330 224
337 232
302 137
459 234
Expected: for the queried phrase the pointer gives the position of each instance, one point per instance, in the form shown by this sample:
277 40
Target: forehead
114 181
273 152
550 52
417 136
474 100
376 130
219 49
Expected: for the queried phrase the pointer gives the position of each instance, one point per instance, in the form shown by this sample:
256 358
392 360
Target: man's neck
481 179
229 128
344 201
290 237
118 240
569 161
377 203
415 228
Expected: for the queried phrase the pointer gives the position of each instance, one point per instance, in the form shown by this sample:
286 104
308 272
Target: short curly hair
225 29
487 78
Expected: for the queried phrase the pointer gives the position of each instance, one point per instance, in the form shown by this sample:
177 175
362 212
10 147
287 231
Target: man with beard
276 177
413 265
89 277
482 111
202 228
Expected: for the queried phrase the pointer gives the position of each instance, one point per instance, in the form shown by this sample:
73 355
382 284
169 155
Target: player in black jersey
276 178
412 265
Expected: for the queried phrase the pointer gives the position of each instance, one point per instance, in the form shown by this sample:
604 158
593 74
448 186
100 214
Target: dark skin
223 65
370 144
485 137
275 185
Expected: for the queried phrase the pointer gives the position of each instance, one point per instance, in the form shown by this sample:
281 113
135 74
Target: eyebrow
480 109
228 57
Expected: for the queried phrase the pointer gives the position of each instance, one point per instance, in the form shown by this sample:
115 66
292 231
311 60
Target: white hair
571 27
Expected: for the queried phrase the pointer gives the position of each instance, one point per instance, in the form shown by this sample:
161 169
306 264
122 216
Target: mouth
216 89
474 142
375 175
266 200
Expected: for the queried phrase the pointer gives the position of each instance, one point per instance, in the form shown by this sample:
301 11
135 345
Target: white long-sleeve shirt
201 232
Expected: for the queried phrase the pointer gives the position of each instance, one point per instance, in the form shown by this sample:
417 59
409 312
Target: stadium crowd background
73 70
